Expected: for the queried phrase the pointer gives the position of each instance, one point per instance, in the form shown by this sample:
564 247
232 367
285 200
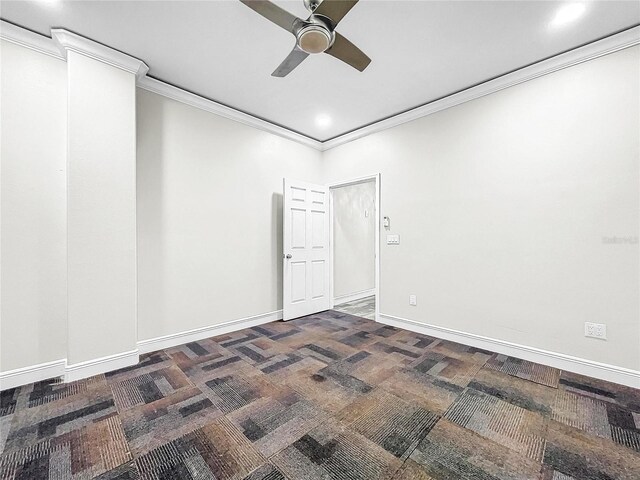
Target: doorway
354 252
312 280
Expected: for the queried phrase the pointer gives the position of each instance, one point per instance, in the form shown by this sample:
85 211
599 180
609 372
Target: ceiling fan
314 35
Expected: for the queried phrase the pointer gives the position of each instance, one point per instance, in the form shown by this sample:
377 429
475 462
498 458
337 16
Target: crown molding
607 45
28 39
64 41
183 96
68 41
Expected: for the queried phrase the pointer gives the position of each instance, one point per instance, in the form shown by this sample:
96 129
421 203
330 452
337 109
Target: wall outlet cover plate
595 330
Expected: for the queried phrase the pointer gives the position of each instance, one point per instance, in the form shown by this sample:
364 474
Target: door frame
376 178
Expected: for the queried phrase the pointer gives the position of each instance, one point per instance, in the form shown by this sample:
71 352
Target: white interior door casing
306 272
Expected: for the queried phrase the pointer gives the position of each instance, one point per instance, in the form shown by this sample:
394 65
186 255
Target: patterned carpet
329 396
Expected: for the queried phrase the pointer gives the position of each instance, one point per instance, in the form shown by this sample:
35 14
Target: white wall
101 209
354 235
33 207
502 204
209 216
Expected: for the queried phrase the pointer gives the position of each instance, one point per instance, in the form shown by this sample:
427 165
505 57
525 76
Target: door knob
288 256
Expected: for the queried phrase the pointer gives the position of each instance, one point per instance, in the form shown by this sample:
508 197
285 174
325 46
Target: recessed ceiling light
323 120
568 13
52 4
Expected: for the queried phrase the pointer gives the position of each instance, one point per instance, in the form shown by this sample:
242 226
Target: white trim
354 181
608 45
68 41
28 39
378 240
188 98
34 373
87 369
168 341
376 291
603 371
352 297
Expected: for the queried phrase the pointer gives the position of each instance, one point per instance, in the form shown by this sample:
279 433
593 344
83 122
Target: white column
101 206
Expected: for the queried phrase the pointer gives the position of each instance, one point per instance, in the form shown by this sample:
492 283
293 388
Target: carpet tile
523 369
452 452
273 423
434 394
217 450
499 421
85 452
385 419
449 369
150 425
327 396
332 451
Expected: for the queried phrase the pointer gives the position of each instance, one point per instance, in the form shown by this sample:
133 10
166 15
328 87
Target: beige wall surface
33 207
517 214
101 209
209 216
354 233
505 204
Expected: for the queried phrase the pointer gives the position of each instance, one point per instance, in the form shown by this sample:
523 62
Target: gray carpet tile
330 396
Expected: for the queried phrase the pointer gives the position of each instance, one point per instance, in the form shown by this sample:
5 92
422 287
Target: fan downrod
311 5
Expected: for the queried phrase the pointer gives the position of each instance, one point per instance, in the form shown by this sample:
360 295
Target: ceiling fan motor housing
314 38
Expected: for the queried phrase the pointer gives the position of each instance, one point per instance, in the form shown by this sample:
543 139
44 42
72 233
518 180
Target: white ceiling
420 50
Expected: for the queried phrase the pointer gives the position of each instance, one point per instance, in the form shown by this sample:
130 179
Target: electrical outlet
413 300
595 330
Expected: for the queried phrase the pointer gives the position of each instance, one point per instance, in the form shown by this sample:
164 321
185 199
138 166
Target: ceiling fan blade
346 51
335 9
294 59
274 13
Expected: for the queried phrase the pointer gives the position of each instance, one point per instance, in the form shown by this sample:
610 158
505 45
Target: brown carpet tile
328 396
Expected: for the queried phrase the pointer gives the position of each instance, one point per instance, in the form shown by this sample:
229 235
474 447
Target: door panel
317 278
298 228
298 281
317 229
306 249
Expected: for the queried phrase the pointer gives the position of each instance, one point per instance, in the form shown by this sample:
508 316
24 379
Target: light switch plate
393 239
413 300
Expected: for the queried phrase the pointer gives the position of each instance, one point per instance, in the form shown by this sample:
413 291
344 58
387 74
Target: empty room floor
325 396
365 308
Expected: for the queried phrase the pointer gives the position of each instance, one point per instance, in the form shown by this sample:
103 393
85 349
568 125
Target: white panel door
306 249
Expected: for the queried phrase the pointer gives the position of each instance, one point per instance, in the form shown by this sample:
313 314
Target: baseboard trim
34 373
603 371
168 341
352 297
89 368
78 371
